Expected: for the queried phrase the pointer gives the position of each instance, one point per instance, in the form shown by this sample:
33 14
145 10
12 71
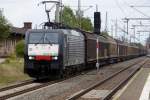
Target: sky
19 11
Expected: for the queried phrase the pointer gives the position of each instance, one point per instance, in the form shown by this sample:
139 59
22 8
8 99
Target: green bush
20 48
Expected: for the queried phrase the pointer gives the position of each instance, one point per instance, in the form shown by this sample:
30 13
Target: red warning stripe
48 58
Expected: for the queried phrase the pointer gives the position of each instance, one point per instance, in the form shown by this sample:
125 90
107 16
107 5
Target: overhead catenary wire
130 6
137 10
141 6
140 11
121 9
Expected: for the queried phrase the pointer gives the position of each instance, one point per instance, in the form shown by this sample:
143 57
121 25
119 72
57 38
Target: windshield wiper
48 40
40 39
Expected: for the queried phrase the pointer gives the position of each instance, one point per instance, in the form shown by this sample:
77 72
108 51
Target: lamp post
80 12
133 32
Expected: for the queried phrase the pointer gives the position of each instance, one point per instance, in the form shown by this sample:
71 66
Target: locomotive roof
45 30
64 31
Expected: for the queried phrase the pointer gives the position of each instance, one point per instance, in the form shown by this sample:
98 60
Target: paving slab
95 94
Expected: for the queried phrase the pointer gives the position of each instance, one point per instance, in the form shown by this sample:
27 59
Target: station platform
138 88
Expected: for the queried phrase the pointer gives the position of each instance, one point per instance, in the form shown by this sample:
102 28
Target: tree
4 27
86 24
20 48
70 19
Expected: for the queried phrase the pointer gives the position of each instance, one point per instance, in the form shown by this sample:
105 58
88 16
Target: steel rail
78 95
26 82
28 89
122 83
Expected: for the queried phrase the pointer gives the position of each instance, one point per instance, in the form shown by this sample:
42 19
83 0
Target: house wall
7 46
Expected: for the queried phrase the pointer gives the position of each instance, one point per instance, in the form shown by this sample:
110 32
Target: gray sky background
19 11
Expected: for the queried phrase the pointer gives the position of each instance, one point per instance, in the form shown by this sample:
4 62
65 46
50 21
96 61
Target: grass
11 71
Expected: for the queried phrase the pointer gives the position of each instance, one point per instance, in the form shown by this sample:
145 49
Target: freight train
51 52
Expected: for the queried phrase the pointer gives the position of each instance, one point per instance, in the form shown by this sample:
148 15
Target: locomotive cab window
46 38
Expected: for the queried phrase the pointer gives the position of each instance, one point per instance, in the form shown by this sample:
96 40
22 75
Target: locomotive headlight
55 58
31 58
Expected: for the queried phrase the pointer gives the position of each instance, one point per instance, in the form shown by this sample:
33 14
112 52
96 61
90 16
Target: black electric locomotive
52 51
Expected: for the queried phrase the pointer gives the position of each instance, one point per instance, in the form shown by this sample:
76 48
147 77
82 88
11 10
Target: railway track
26 82
109 80
22 88
28 86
